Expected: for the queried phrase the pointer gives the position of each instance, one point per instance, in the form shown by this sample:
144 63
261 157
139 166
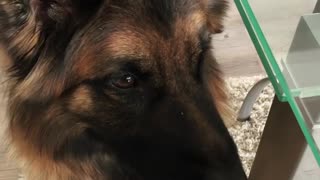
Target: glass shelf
286 35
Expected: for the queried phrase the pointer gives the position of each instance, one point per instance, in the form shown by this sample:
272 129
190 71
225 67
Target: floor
233 49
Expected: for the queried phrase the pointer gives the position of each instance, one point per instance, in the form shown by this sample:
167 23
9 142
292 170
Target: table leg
317 8
281 146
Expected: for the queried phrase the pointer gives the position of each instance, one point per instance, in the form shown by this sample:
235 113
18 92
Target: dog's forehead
161 15
135 28
147 30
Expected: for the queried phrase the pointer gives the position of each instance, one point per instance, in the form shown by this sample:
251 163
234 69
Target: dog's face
133 79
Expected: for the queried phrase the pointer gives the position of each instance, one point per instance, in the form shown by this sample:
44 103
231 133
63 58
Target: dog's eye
124 81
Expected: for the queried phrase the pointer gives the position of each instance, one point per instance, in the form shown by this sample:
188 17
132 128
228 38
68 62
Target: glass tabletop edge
260 43
272 69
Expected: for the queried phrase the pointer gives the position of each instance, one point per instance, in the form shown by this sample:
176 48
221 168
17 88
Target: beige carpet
247 134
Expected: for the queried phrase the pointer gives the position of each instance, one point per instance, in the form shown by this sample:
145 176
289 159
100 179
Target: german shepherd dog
116 90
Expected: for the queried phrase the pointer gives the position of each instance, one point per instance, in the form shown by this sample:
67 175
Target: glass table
286 35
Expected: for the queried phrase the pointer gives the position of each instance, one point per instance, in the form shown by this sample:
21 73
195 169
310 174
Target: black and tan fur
70 118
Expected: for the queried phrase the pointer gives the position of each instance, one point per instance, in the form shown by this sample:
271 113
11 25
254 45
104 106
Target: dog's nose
217 139
197 131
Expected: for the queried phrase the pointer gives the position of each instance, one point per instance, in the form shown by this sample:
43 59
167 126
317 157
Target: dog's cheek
81 100
213 79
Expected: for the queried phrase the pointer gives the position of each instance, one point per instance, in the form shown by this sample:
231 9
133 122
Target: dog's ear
215 10
36 34
27 24
64 13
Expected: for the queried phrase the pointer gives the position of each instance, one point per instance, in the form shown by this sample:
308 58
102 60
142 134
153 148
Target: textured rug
247 134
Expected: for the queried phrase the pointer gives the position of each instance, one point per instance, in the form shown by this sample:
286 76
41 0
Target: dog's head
118 72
